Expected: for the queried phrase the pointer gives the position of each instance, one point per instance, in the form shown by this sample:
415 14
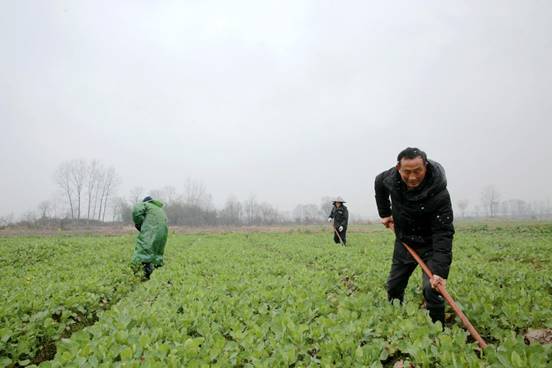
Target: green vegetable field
270 299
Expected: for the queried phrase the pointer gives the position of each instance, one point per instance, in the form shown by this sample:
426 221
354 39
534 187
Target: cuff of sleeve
439 269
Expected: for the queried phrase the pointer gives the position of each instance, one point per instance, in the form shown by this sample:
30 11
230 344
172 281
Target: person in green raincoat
150 219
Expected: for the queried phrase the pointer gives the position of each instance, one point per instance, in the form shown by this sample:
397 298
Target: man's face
413 171
338 204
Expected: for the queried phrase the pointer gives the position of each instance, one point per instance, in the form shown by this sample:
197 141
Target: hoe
441 289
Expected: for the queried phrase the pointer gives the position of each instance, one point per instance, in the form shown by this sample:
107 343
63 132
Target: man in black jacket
340 217
413 200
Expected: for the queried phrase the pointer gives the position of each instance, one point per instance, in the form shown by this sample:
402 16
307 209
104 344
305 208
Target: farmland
269 299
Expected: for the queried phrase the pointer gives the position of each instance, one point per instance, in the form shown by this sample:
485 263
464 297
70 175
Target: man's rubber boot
148 269
437 314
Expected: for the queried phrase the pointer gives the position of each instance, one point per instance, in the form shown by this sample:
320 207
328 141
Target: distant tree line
194 207
87 194
491 205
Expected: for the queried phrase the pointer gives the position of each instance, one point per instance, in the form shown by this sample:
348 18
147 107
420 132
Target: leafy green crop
53 286
288 299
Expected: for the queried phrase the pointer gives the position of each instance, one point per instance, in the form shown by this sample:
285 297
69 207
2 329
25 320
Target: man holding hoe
413 201
340 218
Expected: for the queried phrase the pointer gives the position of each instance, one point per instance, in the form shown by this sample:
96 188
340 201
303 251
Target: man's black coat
423 216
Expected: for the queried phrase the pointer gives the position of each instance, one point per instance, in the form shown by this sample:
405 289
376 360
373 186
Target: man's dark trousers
402 267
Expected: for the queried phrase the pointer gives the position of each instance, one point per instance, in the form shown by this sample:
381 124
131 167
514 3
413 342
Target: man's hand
340 229
330 219
388 222
437 280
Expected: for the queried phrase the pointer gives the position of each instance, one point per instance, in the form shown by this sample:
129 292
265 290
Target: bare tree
100 178
111 181
44 207
268 215
62 178
169 194
250 209
207 203
462 205
78 177
195 194
231 214
490 200
93 181
70 177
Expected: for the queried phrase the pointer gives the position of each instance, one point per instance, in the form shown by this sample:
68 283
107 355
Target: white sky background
286 100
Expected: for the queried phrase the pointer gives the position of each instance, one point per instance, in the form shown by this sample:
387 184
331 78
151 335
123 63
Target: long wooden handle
339 236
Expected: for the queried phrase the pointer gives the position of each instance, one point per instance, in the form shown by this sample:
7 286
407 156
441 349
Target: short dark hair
411 153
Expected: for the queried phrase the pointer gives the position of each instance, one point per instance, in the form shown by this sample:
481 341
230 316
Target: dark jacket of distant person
340 216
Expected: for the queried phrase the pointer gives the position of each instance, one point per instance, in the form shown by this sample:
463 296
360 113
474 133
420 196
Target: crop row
269 300
51 287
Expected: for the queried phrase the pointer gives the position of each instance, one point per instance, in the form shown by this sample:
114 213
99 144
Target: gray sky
286 100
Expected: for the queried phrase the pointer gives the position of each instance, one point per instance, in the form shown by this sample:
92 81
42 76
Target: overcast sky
286 100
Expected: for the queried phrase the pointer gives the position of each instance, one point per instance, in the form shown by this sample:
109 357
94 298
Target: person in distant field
340 218
413 201
150 219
